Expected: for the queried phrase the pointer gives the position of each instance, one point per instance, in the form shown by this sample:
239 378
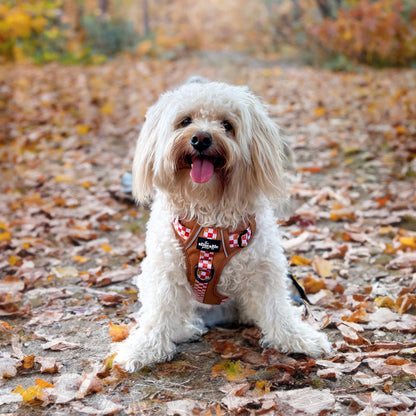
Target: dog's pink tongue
202 169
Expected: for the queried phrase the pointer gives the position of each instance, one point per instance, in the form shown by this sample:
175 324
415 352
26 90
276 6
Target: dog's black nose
201 140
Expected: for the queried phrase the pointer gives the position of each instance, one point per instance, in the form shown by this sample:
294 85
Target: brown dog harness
207 250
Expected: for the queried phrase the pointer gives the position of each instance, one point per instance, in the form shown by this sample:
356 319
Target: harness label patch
205 244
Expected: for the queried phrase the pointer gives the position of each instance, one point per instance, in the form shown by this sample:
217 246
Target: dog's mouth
203 167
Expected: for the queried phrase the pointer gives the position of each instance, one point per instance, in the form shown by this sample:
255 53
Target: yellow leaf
261 388
408 241
388 249
38 23
82 129
13 260
322 266
384 302
31 395
232 370
386 230
5 236
107 108
3 226
299 261
86 184
107 248
401 130
64 178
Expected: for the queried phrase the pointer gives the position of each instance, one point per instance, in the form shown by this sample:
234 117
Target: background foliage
338 33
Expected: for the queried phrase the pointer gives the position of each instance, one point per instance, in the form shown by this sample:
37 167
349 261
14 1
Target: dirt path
70 241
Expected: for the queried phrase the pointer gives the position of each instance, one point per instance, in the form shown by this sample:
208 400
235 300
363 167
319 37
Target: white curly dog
212 161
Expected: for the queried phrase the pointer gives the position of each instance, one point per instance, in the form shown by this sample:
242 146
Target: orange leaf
358 316
312 285
80 259
342 214
395 360
118 332
310 169
320 111
404 303
43 383
382 201
28 361
107 248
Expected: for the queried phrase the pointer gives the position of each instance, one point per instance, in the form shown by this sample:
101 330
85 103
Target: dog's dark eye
186 122
227 125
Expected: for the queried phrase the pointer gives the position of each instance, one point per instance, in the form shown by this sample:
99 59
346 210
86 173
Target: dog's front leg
166 316
269 307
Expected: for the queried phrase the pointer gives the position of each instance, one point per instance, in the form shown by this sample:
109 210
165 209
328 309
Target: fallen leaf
89 384
48 364
232 371
322 267
299 261
312 285
118 332
32 395
351 336
8 366
60 344
384 302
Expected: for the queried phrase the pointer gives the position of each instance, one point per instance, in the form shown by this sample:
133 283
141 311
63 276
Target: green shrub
109 36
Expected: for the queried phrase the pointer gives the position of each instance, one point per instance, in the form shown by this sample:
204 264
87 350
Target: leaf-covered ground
70 240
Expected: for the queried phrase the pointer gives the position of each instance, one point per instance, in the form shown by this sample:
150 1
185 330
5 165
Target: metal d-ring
239 238
201 280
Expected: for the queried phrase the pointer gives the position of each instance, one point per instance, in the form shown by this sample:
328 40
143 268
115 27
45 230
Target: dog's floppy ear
267 153
144 157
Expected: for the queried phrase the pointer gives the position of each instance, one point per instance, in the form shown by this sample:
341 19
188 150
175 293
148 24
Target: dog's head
211 144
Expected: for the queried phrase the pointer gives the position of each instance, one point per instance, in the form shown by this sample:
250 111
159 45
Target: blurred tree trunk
103 6
325 8
146 23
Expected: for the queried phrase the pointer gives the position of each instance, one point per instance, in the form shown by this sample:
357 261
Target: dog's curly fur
248 155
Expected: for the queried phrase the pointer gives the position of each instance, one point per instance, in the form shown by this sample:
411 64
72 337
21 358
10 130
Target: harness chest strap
207 250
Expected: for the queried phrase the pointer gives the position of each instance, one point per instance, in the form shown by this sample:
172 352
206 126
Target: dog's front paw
133 354
315 345
305 340
127 360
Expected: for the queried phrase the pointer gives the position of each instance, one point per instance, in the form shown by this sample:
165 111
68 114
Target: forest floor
70 241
